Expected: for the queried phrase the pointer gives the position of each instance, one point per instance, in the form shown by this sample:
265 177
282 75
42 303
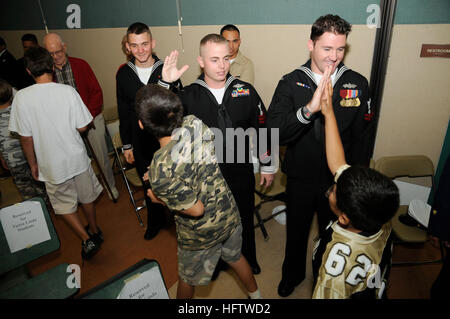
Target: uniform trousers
303 200
243 189
142 159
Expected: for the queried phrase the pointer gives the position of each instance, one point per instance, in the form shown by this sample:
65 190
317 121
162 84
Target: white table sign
24 225
147 285
409 191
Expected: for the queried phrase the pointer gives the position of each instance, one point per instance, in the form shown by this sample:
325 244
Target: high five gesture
170 73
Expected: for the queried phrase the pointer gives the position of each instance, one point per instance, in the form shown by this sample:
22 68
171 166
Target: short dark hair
5 92
39 61
159 110
29 37
229 27
368 198
2 41
329 23
138 28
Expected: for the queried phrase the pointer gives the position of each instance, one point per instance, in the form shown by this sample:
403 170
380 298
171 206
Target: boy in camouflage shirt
185 176
11 153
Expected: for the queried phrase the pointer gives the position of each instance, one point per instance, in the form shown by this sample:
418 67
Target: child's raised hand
326 102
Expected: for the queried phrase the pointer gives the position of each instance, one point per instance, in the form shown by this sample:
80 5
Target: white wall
274 49
416 103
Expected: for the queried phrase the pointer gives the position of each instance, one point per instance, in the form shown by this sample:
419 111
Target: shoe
97 237
285 288
157 222
151 233
89 248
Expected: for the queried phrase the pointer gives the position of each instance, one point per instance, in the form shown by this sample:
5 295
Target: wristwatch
307 114
126 147
164 84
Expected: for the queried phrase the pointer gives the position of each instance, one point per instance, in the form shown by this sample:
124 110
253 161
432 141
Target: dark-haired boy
295 111
49 118
354 252
185 176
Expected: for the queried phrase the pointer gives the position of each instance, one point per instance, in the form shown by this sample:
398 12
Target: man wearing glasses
78 74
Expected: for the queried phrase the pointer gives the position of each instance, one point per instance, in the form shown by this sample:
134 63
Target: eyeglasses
59 52
330 190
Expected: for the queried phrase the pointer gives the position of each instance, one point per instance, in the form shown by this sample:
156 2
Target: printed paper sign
148 285
409 191
24 225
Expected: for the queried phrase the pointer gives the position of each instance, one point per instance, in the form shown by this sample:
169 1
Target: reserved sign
24 225
147 285
435 50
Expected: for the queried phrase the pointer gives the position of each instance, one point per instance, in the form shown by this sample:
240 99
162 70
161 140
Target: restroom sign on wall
435 51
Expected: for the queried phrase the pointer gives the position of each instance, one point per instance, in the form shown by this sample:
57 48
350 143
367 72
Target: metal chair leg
130 191
102 175
260 224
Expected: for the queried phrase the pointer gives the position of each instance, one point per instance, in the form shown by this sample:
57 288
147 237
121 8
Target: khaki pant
97 140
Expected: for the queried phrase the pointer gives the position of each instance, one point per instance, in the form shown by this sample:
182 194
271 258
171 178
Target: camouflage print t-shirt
185 171
10 148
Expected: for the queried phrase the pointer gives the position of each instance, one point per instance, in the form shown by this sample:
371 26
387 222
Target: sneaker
97 237
89 248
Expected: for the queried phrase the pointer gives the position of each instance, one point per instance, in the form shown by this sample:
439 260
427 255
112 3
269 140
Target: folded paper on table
24 225
420 211
147 285
409 192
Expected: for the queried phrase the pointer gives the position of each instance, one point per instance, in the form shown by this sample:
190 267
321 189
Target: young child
354 252
49 118
185 176
11 153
